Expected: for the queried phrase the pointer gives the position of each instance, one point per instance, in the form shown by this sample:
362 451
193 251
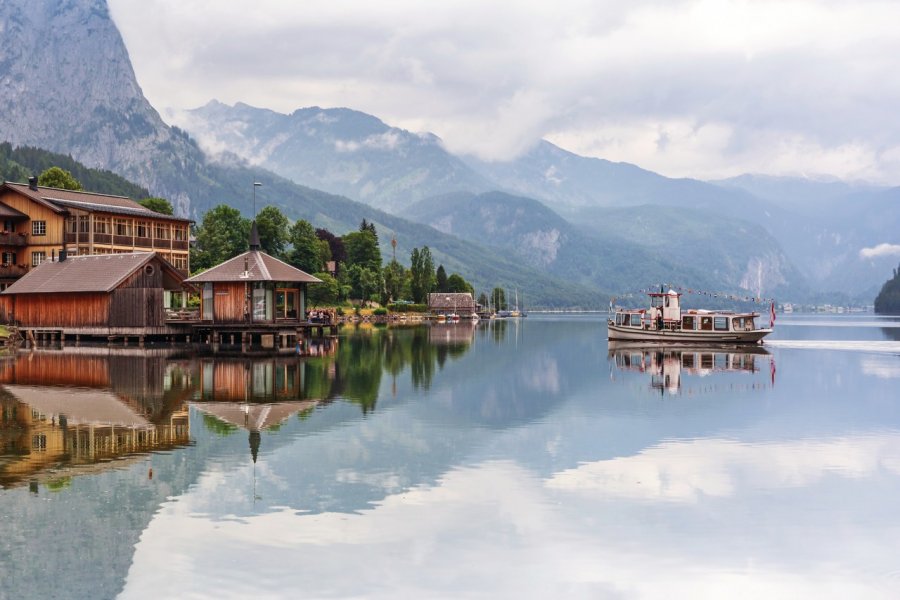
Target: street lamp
256 184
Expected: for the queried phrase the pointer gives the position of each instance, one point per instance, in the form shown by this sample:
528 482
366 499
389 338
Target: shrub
380 312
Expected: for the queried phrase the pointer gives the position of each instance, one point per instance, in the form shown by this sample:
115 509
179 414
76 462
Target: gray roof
95 273
59 200
451 300
254 265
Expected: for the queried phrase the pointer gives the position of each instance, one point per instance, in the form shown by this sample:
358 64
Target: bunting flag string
732 297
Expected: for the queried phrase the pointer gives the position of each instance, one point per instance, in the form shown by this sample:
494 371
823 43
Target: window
39 228
123 227
706 323
84 224
101 224
37 258
161 231
180 233
721 324
688 323
72 225
9 258
141 229
180 261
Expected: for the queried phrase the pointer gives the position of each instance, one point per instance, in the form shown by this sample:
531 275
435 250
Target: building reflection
667 366
71 413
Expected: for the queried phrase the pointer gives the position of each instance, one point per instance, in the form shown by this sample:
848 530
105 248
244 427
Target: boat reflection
667 365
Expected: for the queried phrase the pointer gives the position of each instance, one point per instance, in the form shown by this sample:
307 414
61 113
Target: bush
408 308
378 312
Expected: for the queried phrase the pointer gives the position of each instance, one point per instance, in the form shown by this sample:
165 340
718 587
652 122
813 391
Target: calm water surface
518 459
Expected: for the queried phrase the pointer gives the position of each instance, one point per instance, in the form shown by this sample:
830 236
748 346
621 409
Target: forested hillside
888 300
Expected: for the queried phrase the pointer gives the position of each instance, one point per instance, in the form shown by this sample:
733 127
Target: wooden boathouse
252 298
111 295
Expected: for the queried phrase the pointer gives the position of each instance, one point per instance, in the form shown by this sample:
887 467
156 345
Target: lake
516 459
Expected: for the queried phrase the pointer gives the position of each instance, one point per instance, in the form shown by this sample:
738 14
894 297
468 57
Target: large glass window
721 324
84 224
123 227
262 303
101 224
161 231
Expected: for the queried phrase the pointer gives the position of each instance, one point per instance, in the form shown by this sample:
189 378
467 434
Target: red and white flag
772 315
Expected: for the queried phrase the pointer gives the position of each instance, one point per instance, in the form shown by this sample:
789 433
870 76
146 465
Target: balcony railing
8 238
7 271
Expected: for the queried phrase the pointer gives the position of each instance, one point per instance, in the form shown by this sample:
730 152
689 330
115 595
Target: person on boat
659 320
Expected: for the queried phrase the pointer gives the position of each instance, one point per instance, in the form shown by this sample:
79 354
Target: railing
12 270
8 238
183 314
143 242
102 238
180 244
72 238
158 243
122 240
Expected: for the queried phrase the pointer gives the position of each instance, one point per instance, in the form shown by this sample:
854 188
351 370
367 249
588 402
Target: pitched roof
254 265
8 212
94 273
451 300
59 200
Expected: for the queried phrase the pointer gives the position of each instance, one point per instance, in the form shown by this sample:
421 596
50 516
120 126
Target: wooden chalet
253 289
37 221
446 303
112 294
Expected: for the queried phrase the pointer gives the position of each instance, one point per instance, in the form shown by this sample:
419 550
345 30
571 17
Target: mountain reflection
668 366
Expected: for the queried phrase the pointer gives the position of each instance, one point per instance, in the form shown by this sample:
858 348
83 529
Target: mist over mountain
338 150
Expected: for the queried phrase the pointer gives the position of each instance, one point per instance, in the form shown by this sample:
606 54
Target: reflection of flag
772 315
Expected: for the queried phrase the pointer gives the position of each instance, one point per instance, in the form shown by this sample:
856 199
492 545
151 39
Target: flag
772 315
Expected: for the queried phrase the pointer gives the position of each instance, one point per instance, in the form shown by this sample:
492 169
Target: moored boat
665 321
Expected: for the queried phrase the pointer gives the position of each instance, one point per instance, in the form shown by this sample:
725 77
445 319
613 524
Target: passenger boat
665 321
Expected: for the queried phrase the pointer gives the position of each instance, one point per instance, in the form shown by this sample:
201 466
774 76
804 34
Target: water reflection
668 366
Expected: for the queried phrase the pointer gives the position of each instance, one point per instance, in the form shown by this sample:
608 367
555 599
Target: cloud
880 250
697 88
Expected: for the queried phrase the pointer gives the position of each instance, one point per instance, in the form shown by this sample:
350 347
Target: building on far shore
445 303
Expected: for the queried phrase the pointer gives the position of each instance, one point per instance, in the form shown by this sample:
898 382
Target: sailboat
516 312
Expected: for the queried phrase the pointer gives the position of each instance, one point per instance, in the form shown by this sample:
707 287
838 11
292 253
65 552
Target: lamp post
256 184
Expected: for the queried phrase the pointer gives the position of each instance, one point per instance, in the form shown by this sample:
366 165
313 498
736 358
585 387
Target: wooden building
113 294
253 289
38 221
446 303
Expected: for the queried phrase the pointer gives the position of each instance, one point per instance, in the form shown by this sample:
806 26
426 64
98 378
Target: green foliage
20 163
365 283
56 177
159 205
222 235
326 293
394 276
362 249
888 299
408 308
455 283
421 274
308 250
498 299
380 311
441 280
272 226
218 426
483 299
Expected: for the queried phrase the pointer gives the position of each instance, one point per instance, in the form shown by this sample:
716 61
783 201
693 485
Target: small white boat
665 321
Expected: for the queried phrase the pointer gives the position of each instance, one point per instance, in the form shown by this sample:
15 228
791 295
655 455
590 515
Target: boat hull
620 333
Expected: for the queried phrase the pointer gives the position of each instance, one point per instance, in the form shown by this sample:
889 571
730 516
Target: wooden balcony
8 271
8 238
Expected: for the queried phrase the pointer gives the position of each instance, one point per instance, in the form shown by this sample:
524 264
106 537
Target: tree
273 230
222 235
483 300
307 252
362 249
441 280
394 275
370 227
335 244
58 178
421 273
158 205
498 299
364 282
326 293
455 283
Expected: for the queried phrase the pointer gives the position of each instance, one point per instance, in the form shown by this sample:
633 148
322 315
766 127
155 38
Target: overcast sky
698 89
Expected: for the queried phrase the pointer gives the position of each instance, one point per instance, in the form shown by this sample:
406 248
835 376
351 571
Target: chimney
32 183
63 255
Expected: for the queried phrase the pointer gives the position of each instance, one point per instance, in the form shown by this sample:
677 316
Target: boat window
618 318
706 361
626 319
706 323
688 323
721 324
721 360
687 360
635 320
656 301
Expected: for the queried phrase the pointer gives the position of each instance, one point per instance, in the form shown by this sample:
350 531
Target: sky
704 89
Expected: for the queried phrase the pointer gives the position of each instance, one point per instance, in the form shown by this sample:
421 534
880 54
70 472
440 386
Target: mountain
18 164
67 86
338 150
888 299
616 248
